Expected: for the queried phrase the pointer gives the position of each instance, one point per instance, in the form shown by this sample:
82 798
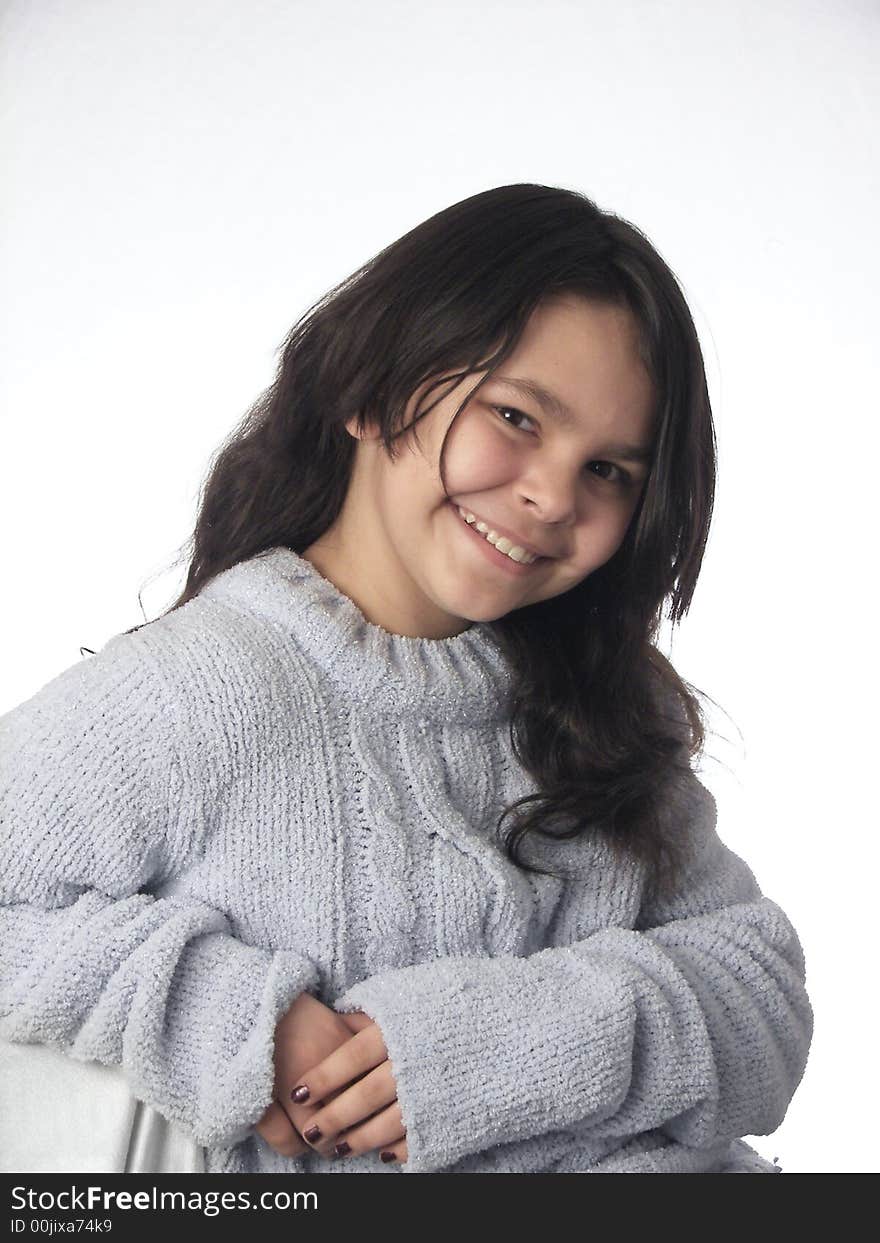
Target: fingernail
312 1134
388 1156
300 1094
342 1148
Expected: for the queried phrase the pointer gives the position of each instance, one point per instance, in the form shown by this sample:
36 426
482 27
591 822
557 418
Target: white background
186 178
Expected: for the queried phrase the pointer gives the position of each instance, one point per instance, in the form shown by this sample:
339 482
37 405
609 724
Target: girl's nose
550 497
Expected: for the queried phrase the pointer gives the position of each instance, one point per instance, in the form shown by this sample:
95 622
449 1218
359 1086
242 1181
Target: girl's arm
697 1024
93 810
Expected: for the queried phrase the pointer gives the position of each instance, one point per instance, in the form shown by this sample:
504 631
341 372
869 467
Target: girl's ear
370 431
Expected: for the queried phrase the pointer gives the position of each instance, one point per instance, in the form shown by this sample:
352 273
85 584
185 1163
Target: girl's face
563 483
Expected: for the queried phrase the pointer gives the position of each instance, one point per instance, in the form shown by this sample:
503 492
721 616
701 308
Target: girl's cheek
482 461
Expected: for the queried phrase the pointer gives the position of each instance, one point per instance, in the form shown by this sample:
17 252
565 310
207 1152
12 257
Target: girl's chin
472 600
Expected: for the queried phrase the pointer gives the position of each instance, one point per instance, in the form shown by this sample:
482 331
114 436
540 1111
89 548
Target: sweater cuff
210 1066
186 1011
476 1061
221 1043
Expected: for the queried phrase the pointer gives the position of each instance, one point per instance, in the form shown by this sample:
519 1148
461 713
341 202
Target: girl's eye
621 477
502 410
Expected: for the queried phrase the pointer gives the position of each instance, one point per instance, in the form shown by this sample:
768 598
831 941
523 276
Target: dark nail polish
312 1134
388 1156
300 1094
342 1148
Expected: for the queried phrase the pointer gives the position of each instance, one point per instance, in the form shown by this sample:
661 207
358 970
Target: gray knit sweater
262 793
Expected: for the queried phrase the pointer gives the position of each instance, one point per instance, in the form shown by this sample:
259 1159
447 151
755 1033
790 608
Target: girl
254 851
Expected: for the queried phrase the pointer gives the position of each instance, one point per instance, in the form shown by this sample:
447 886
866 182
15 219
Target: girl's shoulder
206 648
169 681
229 680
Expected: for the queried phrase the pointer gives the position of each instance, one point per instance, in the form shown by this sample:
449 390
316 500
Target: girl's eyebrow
557 409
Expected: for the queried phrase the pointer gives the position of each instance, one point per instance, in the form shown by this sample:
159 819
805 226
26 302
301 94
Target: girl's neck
463 677
354 555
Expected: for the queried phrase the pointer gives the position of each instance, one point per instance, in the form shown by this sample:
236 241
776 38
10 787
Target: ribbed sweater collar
462 678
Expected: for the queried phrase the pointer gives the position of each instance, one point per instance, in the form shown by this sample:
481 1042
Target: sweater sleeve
93 812
695 1023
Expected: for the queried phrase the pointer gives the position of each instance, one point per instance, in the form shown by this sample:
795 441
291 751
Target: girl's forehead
577 363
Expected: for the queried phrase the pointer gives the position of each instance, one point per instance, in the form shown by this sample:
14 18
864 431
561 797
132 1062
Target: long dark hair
600 718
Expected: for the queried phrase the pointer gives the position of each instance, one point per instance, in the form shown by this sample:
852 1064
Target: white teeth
503 545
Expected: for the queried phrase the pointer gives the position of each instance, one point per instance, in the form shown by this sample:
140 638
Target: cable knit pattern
262 793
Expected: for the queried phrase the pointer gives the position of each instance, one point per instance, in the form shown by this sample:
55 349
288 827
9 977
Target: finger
301 1115
356 1021
396 1152
278 1131
351 1108
382 1131
351 1060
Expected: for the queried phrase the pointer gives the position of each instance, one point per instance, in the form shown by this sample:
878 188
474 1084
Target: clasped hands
351 1102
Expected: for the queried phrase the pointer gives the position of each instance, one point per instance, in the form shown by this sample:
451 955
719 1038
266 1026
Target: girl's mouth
493 555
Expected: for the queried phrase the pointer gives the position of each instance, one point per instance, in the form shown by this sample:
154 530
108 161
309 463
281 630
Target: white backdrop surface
183 180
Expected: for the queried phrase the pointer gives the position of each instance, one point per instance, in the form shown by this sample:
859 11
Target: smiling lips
511 545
